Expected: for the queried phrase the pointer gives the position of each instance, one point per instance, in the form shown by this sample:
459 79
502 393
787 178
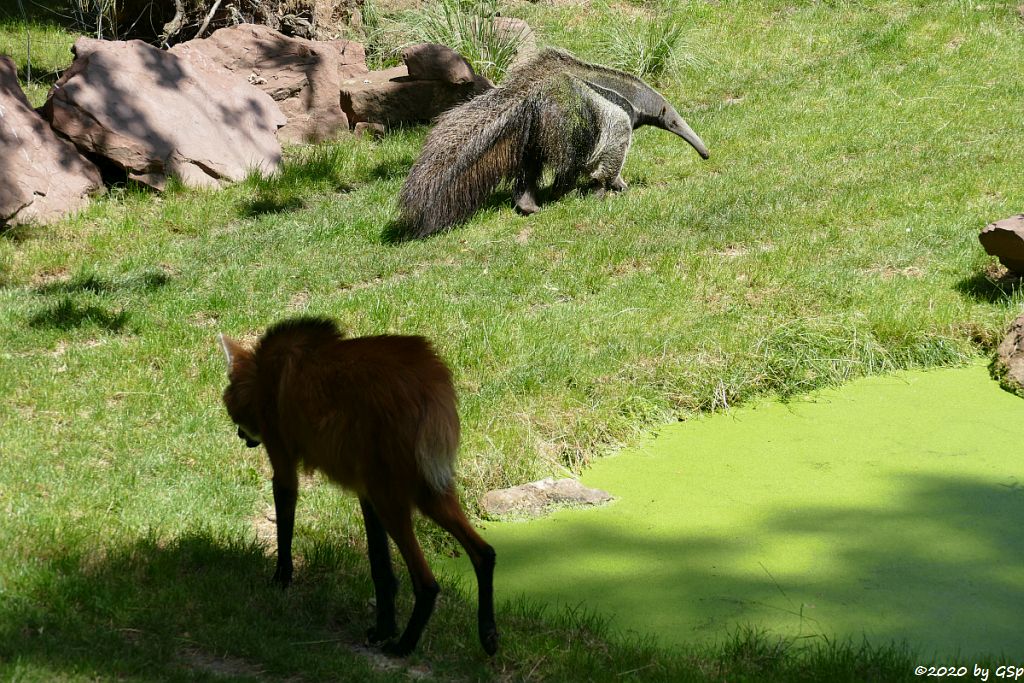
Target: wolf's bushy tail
437 442
471 149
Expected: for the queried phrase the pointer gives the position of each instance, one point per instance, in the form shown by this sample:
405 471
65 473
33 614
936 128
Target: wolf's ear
232 350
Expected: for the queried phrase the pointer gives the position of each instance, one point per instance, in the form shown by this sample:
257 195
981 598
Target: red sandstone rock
302 76
42 178
157 115
1005 239
391 97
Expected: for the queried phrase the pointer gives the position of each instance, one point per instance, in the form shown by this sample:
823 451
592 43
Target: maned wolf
377 416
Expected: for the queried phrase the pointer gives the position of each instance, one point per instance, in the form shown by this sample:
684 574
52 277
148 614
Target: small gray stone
374 131
540 497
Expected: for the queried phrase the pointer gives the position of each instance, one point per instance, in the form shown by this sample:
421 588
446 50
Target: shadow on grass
395 232
17 233
983 287
939 570
147 280
392 169
67 314
196 607
270 204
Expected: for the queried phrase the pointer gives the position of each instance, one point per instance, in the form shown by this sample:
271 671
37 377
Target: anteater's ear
232 350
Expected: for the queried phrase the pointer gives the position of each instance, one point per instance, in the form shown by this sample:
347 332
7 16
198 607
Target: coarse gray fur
555 112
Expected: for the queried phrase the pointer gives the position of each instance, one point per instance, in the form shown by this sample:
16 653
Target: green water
892 508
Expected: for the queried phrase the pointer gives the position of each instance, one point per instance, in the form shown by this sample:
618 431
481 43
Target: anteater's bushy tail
471 149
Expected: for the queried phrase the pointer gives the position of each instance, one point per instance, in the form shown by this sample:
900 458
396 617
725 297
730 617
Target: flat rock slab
433 62
1008 365
1005 239
158 115
302 76
888 509
42 177
540 497
392 97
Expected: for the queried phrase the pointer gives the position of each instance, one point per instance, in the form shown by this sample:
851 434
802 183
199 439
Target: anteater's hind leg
446 511
396 517
384 582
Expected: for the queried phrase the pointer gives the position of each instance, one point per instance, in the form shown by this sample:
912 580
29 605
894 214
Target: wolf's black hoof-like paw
376 636
395 648
282 578
490 639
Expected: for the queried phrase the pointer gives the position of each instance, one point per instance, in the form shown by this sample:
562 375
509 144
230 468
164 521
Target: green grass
39 46
857 149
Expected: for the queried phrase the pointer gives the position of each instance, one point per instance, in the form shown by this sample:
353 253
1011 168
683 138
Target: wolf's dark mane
310 324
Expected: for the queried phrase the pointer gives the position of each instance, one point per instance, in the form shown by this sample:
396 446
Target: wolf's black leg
384 582
286 493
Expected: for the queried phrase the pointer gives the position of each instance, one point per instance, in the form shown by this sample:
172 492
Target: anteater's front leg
286 493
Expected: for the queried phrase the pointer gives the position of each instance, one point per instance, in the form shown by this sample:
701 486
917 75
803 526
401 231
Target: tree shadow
939 570
270 204
392 169
196 607
146 280
67 314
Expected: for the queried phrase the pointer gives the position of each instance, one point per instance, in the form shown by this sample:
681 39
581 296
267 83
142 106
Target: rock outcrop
42 178
158 115
303 76
394 96
1008 365
1005 239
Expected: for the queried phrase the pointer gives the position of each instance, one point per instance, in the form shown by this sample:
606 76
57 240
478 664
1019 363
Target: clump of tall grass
650 46
382 36
470 27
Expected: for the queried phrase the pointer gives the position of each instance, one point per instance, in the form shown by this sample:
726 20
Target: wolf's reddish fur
376 415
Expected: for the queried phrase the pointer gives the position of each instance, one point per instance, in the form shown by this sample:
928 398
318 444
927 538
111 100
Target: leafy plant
649 46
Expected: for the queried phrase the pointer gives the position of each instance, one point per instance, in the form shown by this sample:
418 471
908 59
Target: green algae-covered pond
891 508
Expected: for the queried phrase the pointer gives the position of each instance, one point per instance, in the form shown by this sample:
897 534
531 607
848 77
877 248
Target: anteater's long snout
678 126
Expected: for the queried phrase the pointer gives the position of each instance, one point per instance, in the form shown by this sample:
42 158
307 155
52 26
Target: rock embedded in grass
302 76
1005 239
1008 365
42 177
156 115
538 498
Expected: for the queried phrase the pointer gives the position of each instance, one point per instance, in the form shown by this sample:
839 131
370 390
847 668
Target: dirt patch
383 663
49 276
299 302
890 272
220 667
